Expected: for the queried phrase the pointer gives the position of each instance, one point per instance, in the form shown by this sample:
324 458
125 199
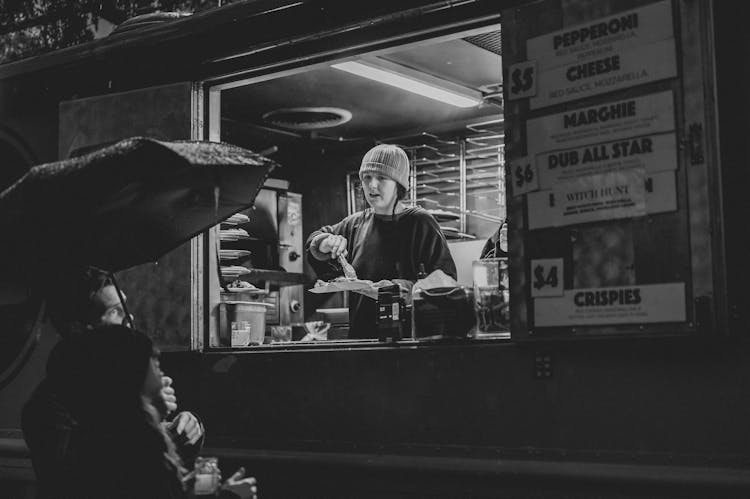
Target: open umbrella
128 203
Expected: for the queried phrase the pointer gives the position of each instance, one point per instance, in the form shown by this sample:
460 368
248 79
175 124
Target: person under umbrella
111 379
80 301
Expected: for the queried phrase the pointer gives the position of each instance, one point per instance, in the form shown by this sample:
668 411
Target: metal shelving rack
460 179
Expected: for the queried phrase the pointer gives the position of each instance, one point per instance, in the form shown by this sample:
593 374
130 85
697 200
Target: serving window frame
212 88
698 180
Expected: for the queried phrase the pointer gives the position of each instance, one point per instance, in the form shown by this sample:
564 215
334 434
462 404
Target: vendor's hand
382 283
243 487
333 245
188 425
168 396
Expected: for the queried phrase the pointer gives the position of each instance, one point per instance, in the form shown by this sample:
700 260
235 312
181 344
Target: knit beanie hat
388 160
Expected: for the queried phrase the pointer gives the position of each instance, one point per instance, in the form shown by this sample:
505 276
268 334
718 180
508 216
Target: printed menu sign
609 196
599 164
612 72
620 119
625 30
650 303
606 54
653 153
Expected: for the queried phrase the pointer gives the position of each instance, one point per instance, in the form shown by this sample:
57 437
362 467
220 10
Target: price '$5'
522 80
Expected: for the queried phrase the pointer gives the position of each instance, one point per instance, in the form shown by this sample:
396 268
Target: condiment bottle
416 298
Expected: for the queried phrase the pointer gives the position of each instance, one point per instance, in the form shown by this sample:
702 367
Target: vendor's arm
328 246
325 244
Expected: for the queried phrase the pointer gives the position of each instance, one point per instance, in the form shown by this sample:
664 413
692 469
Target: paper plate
234 270
236 219
233 234
348 285
233 254
255 291
443 215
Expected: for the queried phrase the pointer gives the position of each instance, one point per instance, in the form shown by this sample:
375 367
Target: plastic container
242 323
491 295
207 476
444 312
391 319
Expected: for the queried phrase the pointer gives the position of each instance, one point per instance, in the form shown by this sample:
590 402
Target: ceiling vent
307 118
489 41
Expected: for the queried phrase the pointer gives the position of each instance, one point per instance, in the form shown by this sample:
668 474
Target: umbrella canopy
128 203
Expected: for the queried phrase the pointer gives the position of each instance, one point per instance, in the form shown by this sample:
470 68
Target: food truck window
602 137
440 100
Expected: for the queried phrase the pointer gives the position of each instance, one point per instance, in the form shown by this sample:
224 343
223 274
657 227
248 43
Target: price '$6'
524 174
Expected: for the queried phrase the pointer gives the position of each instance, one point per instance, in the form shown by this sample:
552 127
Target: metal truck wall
662 401
675 403
667 402
160 295
643 401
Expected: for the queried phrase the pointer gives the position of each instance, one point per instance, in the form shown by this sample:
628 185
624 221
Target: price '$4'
547 277
541 280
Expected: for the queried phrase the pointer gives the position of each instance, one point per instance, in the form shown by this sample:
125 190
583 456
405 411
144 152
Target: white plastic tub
242 323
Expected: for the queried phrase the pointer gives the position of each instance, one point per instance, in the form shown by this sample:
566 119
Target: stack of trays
450 232
234 271
232 254
443 215
233 234
236 219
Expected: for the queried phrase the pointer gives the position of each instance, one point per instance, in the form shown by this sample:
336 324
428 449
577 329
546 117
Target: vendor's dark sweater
383 247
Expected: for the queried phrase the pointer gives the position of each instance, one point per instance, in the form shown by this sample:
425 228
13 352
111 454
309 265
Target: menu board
598 56
594 165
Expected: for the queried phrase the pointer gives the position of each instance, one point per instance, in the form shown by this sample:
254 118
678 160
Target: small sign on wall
525 176
547 277
617 305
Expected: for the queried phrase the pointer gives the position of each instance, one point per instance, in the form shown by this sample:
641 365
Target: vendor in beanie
385 243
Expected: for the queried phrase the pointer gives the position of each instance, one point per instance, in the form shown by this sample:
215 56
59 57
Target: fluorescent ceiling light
413 81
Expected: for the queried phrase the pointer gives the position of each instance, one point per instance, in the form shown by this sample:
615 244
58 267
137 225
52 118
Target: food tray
233 234
443 216
236 219
234 271
233 254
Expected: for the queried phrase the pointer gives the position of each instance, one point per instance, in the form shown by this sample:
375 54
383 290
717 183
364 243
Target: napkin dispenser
443 312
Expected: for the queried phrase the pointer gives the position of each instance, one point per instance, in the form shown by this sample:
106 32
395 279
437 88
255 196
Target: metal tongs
349 271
